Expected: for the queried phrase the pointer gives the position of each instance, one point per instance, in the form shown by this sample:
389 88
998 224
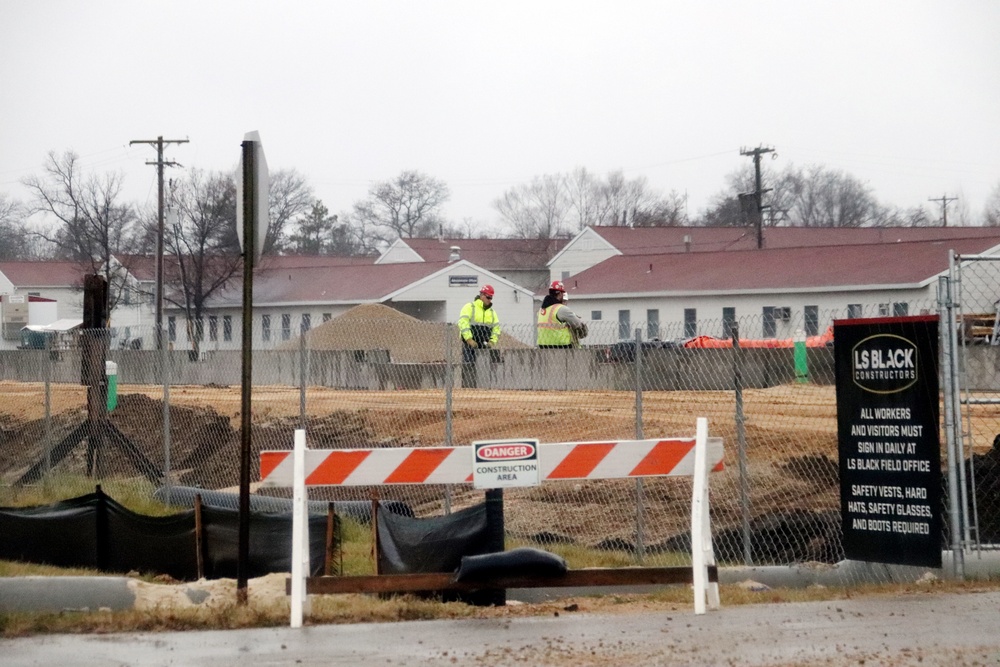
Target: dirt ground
793 450
791 447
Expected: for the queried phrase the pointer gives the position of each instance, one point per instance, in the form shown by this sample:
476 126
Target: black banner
889 441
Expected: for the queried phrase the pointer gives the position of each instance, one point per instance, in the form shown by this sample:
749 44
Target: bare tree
94 227
536 210
821 197
16 241
668 211
289 197
917 216
991 213
552 204
407 206
201 256
801 197
633 203
584 195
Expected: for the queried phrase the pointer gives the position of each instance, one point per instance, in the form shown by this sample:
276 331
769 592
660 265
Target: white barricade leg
699 516
300 530
708 546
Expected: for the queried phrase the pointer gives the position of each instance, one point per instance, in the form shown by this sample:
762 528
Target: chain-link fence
378 378
973 291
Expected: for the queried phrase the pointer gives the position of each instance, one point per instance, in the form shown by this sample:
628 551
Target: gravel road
911 629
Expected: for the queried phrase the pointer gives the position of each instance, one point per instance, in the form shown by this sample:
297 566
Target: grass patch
136 494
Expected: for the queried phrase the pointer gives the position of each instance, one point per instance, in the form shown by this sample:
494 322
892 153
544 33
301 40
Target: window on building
327 317
690 322
286 326
883 310
265 327
306 322
854 311
595 315
198 330
172 328
227 327
811 323
624 324
728 321
768 328
213 328
900 309
565 276
652 323
126 296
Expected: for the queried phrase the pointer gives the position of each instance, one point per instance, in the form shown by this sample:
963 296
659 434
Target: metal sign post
251 211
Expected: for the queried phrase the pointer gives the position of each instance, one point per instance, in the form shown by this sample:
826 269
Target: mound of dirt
377 327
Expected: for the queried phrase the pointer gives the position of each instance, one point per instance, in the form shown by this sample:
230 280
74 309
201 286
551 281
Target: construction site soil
790 441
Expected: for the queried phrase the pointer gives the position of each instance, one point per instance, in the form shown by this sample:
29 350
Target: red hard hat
487 290
557 286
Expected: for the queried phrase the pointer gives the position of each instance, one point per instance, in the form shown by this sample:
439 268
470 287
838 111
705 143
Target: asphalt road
914 629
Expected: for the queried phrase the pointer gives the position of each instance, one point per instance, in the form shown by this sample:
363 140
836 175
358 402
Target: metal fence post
958 362
741 443
48 404
302 373
947 335
449 381
165 376
640 501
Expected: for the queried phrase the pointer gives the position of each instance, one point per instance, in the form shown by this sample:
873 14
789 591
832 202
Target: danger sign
502 464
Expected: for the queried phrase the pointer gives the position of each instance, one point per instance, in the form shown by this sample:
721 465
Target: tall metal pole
249 225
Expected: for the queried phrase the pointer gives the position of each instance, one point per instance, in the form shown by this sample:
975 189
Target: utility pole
159 143
758 193
944 199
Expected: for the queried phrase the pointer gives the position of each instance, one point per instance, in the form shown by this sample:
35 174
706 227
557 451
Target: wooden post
331 522
199 540
496 535
375 549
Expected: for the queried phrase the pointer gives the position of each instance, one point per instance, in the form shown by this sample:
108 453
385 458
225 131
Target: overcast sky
904 95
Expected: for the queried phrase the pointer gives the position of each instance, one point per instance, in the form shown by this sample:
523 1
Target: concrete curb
19 594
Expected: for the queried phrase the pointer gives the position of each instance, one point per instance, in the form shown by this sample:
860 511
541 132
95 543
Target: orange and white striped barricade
610 459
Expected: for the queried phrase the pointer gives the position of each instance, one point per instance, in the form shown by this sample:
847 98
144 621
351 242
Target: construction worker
479 327
558 326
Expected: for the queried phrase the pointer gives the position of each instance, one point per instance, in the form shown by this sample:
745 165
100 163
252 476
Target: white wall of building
440 296
749 311
586 250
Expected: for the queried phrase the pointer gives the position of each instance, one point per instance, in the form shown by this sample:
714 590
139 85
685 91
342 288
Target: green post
801 357
111 371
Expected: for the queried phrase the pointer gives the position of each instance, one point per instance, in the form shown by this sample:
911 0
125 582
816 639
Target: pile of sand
207 593
377 327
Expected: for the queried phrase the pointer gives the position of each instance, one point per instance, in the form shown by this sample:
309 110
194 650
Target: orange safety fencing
705 342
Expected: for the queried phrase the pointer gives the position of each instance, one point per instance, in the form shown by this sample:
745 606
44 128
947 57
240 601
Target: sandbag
523 561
